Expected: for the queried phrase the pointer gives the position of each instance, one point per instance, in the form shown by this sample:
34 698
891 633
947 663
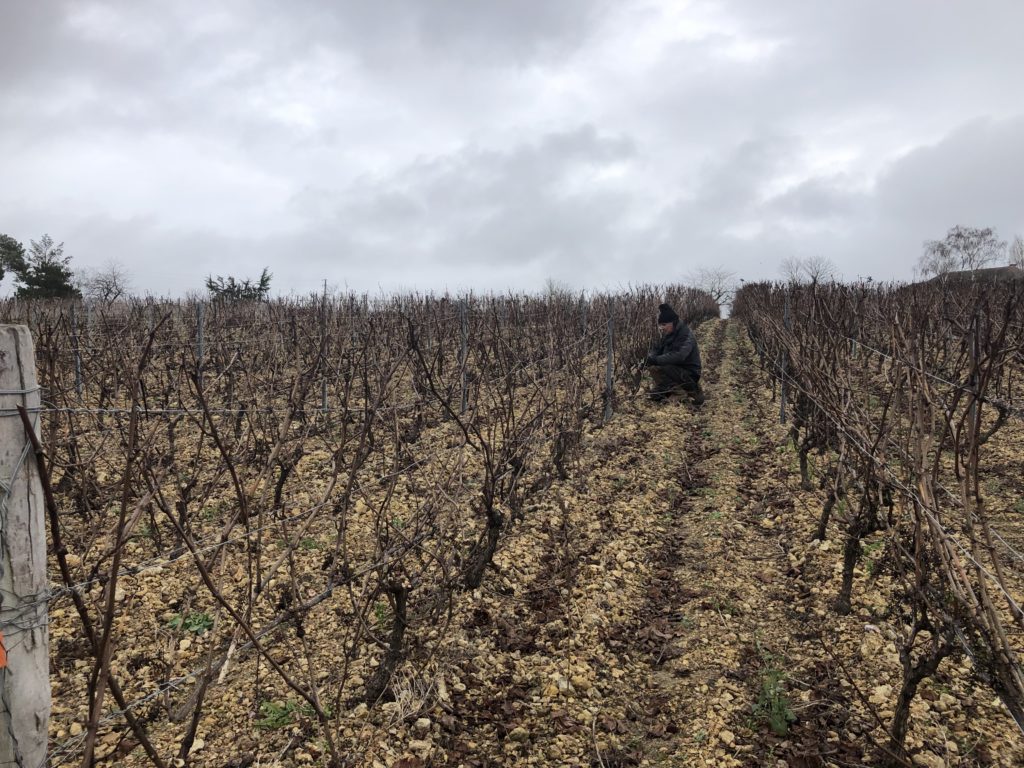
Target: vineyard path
728 598
661 603
669 594
742 659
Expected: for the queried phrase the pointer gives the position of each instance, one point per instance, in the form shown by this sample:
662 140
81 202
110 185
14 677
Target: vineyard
413 531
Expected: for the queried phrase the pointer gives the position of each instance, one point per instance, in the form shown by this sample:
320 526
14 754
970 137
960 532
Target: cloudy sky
451 144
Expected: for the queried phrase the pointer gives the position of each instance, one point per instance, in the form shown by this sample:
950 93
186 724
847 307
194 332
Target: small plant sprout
199 622
773 706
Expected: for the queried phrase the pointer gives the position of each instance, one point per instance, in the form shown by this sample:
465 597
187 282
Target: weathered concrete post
24 644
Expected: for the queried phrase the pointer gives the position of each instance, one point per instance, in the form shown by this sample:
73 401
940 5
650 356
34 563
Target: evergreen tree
12 256
229 289
41 274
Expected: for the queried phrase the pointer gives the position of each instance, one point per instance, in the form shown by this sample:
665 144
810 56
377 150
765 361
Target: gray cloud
975 175
465 144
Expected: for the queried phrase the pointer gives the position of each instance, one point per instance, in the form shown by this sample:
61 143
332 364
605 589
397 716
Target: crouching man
674 361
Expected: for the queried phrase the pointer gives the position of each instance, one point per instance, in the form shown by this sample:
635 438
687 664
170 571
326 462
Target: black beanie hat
666 314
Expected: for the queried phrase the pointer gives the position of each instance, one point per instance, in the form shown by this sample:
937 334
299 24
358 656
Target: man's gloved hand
652 359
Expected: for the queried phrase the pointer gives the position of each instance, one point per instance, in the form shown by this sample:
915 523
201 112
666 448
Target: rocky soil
666 605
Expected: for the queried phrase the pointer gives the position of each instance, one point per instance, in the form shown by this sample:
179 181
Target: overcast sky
451 144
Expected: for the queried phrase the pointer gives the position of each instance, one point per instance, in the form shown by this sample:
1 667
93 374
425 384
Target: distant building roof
993 274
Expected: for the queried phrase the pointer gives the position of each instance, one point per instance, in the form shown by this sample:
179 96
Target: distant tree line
962 249
43 272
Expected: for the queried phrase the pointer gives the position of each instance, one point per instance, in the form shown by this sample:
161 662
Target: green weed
773 706
199 622
281 714
380 613
276 715
210 512
725 605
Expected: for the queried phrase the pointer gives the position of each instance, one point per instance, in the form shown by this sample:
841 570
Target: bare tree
792 268
719 282
936 261
963 248
1017 252
554 288
819 269
814 269
106 284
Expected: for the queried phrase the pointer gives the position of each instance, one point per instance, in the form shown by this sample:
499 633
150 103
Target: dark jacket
678 348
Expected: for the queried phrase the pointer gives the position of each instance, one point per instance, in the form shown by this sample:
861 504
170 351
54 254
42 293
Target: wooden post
973 384
609 368
784 384
463 353
77 351
200 320
24 643
323 347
